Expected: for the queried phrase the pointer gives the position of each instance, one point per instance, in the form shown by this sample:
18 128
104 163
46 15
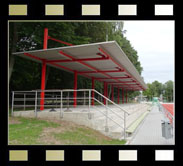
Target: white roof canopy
103 61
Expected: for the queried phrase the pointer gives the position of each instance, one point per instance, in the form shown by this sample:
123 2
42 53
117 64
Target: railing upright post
106 125
12 105
89 104
35 104
124 125
61 104
24 100
84 98
56 101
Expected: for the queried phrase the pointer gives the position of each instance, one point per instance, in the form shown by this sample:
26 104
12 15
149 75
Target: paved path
149 132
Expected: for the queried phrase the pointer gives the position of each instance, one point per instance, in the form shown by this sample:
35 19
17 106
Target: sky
154 43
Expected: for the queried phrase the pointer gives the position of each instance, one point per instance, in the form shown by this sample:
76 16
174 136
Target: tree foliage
156 89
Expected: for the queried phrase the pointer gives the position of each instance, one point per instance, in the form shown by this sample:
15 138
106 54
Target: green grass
28 132
86 137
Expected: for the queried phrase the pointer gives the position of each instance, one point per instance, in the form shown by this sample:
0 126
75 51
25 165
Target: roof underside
104 61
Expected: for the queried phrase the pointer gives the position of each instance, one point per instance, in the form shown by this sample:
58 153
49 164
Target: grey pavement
149 132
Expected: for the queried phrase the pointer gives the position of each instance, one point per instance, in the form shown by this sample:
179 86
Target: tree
155 89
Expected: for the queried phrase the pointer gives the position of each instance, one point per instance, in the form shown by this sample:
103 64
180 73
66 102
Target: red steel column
75 88
112 93
126 96
123 96
93 87
43 75
118 95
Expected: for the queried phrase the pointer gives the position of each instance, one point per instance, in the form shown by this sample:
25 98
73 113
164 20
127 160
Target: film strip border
96 10
25 157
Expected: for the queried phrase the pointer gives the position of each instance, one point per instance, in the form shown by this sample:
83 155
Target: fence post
61 110
124 125
106 122
35 104
12 105
89 104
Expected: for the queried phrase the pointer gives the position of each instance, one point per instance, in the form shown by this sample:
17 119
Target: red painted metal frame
91 67
78 60
43 76
127 77
60 41
102 71
126 96
104 56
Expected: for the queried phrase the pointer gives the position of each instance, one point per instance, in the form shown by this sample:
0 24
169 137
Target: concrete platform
95 118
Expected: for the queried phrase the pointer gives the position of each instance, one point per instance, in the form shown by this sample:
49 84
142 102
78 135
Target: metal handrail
112 102
110 119
109 108
61 98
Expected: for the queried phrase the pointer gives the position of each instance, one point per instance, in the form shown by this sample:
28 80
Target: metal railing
64 99
166 113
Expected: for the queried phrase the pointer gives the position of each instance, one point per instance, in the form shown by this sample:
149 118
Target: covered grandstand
105 62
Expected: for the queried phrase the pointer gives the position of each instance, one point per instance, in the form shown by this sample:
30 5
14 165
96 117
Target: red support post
126 96
93 87
118 95
123 96
75 88
43 76
112 94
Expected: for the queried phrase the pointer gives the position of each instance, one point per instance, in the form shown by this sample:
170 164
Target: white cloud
154 42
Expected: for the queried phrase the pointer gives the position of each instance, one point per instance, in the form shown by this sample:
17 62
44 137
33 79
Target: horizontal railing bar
110 118
111 101
109 109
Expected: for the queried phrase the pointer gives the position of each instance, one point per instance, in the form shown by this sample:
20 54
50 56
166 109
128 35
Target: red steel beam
60 41
127 77
77 60
91 67
102 71
32 56
122 82
54 64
